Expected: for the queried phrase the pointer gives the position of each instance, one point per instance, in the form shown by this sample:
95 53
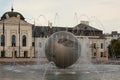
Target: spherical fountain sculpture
62 48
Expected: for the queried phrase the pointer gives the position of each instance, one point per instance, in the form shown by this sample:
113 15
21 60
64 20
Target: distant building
110 37
98 45
99 49
113 35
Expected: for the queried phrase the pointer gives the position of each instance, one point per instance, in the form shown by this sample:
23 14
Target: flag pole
19 36
3 38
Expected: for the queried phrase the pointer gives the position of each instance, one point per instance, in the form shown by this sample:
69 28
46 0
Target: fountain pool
35 72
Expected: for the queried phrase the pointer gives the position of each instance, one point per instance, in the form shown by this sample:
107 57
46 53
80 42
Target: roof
40 31
15 21
82 26
45 30
12 14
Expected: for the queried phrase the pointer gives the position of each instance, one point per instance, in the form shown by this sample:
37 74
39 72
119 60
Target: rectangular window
94 46
2 40
33 44
94 53
101 54
15 54
101 45
2 54
25 54
2 44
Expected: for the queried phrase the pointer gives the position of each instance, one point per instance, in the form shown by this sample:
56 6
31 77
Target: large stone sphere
62 48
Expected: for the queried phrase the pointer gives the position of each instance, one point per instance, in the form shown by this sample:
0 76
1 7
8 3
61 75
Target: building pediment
14 21
82 26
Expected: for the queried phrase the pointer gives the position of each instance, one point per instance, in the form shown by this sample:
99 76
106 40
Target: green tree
114 49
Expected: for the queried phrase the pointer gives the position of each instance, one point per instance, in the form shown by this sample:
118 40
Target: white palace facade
21 41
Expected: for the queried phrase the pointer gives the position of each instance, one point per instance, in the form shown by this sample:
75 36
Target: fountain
62 48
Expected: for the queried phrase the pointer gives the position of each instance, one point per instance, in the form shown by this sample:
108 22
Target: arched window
2 40
13 40
23 40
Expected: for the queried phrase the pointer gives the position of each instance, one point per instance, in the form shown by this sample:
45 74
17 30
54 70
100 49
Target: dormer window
18 16
7 16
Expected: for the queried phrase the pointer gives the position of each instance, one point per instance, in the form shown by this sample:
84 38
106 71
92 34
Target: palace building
22 41
15 36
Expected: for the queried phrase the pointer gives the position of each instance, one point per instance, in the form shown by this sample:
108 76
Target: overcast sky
102 14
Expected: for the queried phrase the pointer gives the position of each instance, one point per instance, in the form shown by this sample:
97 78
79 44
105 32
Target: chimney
85 22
